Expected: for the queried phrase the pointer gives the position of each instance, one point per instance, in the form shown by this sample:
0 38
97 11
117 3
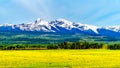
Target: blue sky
94 12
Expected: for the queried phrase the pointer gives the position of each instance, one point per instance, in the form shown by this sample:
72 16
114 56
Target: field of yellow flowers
60 59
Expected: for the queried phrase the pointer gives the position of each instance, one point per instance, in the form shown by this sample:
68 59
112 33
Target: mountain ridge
63 26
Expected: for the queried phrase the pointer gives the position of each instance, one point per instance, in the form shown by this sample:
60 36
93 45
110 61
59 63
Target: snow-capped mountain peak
113 28
63 23
94 28
62 26
88 27
40 21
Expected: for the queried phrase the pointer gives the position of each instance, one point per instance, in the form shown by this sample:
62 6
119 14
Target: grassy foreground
60 59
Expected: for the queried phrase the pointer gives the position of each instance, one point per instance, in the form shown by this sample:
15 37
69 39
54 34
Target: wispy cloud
38 7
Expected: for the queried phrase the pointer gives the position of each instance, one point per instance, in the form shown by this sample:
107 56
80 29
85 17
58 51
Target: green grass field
60 59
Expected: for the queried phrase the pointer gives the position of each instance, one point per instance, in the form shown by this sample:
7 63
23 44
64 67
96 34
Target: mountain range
62 26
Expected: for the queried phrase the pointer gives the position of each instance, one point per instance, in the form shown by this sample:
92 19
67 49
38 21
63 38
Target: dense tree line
22 47
64 45
114 46
77 45
84 45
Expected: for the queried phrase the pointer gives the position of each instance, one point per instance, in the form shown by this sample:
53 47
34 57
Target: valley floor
60 59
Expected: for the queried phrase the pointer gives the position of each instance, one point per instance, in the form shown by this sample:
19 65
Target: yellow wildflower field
60 59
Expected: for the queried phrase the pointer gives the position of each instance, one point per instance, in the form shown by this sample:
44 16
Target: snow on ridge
42 25
113 28
89 27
